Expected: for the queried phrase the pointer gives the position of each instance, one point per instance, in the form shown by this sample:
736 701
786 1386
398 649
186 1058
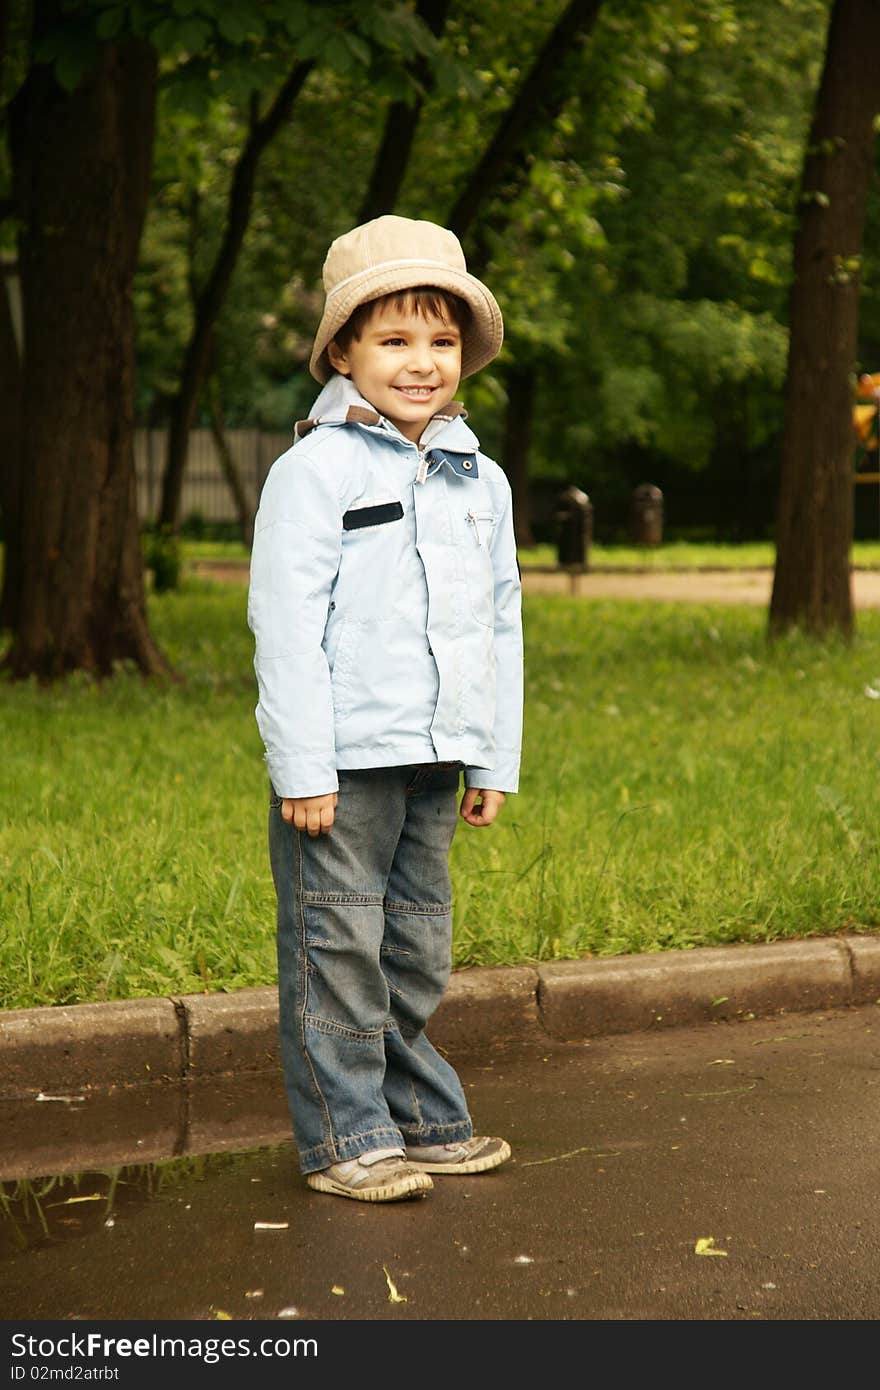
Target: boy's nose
421 358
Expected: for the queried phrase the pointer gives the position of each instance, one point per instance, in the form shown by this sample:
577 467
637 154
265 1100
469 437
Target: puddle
41 1212
79 1167
104 1131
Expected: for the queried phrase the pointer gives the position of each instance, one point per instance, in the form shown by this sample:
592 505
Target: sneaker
466 1156
379 1176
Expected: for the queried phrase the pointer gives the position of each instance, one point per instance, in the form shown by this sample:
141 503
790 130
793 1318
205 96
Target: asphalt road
757 1138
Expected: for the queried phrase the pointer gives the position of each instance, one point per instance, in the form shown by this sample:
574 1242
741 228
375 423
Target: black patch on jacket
372 516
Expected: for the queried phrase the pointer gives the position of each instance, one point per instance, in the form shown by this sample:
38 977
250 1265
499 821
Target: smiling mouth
417 393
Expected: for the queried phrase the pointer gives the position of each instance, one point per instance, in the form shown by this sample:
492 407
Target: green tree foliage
679 369
641 248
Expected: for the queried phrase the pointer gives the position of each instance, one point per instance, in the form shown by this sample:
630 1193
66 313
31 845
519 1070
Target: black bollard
647 515
574 514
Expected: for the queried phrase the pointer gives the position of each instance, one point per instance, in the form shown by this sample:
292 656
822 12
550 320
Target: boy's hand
484 814
312 813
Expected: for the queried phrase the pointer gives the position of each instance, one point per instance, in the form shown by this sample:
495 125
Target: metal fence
716 509
206 493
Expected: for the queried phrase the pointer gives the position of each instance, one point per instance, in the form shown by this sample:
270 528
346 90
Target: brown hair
423 300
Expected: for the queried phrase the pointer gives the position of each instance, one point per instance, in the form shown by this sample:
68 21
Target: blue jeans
364 955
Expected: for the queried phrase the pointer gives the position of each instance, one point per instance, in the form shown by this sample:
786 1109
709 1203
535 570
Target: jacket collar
446 436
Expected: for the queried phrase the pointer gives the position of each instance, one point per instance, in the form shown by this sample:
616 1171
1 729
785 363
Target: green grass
672 555
683 785
213 550
689 555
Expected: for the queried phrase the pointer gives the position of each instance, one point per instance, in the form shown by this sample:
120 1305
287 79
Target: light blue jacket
385 602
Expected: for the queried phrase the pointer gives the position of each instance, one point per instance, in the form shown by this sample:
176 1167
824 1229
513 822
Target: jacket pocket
343 672
478 563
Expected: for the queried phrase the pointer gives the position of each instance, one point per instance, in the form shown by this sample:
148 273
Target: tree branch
213 292
538 99
241 193
400 126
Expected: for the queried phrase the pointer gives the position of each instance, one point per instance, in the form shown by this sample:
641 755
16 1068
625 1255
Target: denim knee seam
417 909
334 1029
319 899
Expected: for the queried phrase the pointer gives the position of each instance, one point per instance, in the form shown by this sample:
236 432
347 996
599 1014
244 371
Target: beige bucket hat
398 253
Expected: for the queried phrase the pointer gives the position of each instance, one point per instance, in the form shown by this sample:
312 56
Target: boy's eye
401 342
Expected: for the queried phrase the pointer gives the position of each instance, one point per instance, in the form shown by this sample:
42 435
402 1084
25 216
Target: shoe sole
473 1165
413 1185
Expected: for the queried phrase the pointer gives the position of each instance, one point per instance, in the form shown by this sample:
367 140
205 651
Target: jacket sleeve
504 775
294 561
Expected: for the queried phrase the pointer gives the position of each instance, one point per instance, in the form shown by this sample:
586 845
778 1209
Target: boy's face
405 364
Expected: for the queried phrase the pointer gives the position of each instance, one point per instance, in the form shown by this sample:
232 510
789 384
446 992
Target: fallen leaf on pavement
393 1295
706 1246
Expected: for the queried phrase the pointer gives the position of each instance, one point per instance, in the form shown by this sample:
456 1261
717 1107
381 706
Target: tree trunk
244 508
81 169
519 378
197 358
400 128
812 582
10 462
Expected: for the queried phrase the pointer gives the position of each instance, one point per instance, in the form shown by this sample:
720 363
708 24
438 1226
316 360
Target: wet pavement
758 1139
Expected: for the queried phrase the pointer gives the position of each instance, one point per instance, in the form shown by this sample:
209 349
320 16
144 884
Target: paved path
759 1137
692 586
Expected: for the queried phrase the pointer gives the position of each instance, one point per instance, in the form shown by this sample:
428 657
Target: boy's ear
338 359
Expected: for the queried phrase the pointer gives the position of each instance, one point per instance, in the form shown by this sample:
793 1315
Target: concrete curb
195 1037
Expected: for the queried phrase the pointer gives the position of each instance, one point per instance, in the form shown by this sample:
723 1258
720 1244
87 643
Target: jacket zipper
475 517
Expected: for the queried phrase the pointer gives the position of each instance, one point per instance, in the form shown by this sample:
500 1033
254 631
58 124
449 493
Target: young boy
385 604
